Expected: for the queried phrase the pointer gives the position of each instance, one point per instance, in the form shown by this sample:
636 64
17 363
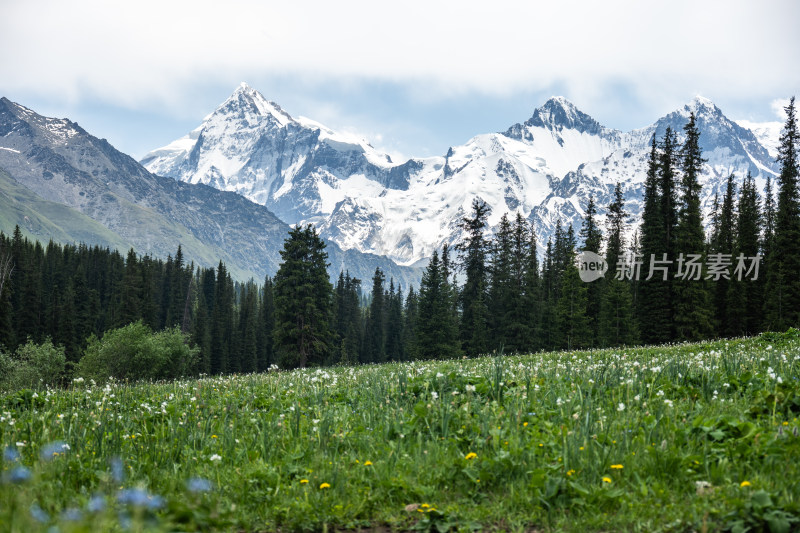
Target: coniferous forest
670 280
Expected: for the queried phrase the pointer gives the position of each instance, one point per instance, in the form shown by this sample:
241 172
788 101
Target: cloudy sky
412 77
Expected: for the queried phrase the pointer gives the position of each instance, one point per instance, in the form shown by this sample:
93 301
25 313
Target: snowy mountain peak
248 103
544 168
558 113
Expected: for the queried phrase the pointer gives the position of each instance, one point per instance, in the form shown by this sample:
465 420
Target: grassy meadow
675 438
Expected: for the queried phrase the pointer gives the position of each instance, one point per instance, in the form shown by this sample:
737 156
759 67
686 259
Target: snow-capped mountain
544 168
767 133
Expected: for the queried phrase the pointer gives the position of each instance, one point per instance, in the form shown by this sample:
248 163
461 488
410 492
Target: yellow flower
524 424
581 448
617 467
744 484
325 486
570 472
606 480
367 463
470 455
303 481
424 505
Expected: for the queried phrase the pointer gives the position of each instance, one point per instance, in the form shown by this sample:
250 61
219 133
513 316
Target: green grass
678 438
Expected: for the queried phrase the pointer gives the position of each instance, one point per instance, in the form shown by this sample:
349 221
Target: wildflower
367 463
621 407
54 449
470 455
213 436
745 484
215 457
72 515
38 514
303 481
524 424
325 486
606 480
668 403
96 504
11 455
617 467
139 498
18 475
570 472
117 470
198 484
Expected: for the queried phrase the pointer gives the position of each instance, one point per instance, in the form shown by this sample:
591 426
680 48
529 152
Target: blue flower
139 498
96 504
54 449
38 514
117 469
11 455
18 475
198 484
72 515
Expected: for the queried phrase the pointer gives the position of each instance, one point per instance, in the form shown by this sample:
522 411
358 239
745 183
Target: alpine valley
59 182
544 168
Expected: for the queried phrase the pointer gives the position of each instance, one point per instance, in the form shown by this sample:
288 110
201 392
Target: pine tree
746 295
547 339
691 307
473 295
783 286
303 300
592 237
394 323
617 323
410 321
375 330
653 300
500 304
571 319
435 332
724 242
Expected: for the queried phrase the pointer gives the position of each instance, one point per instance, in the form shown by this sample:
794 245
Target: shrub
135 352
33 366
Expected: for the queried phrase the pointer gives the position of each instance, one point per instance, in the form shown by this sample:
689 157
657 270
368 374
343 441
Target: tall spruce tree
500 305
617 322
572 322
592 237
724 243
746 295
473 294
653 300
303 300
436 335
691 309
375 329
783 285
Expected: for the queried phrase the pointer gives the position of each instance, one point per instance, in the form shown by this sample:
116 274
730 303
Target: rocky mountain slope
79 188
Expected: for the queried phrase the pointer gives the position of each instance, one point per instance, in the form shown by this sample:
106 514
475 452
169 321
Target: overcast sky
412 77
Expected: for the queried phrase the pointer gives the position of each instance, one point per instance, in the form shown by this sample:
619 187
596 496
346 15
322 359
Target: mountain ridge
544 167
57 163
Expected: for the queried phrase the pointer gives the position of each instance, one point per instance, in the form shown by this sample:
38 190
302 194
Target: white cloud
778 107
137 53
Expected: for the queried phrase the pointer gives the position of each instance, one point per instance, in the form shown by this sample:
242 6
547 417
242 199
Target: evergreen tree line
489 292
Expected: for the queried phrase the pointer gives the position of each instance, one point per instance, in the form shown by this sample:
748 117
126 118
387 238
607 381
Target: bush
135 352
33 366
